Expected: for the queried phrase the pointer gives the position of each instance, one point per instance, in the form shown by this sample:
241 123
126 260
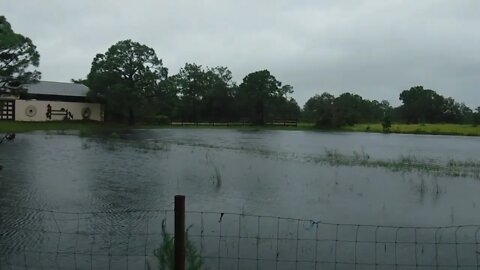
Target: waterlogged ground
355 178
339 177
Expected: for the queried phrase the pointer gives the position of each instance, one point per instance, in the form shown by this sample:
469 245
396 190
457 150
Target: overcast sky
374 48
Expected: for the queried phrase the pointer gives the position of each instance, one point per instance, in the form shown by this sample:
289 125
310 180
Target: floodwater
347 178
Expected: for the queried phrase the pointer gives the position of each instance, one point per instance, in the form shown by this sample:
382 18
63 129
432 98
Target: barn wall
36 110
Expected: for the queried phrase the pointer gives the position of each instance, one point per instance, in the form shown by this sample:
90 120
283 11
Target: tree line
134 85
419 105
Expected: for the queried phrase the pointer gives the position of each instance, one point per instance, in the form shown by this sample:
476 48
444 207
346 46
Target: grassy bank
434 129
81 126
92 127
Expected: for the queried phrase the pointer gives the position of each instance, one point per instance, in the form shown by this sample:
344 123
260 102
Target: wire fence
41 239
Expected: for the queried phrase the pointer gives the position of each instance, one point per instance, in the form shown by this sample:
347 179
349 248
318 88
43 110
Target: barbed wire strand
258 243
277 254
476 245
145 251
238 240
436 248
415 246
296 245
219 240
316 244
291 243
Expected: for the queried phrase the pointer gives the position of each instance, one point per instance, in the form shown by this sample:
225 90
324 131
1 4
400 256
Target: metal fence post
179 232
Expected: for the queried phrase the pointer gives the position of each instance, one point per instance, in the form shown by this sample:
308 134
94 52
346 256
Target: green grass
433 129
81 126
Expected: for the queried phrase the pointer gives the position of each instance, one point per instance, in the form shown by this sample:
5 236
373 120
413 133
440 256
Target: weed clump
165 254
408 163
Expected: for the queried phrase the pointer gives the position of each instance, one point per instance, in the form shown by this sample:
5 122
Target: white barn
50 101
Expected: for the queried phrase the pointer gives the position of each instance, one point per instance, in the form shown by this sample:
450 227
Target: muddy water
353 178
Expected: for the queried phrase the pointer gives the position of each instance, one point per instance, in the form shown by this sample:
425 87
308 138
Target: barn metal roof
58 89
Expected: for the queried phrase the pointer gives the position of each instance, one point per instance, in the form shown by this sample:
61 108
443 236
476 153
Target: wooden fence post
179 232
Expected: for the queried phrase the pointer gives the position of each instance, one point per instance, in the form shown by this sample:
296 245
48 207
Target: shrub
386 123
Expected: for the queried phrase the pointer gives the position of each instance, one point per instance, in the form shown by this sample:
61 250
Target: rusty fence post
179 232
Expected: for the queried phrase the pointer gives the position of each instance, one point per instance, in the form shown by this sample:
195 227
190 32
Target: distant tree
476 117
319 109
386 107
257 90
421 105
347 109
165 100
219 96
289 109
454 112
466 112
425 105
125 77
191 83
17 55
350 109
282 107
285 90
451 110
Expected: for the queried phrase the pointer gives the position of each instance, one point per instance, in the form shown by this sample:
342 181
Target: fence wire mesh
42 239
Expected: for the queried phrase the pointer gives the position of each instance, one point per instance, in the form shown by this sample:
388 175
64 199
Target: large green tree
18 55
319 109
347 109
191 83
421 105
126 77
426 105
164 101
454 112
206 94
218 102
257 91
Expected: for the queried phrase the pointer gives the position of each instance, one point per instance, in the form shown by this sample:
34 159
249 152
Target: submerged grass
332 157
149 146
117 144
453 168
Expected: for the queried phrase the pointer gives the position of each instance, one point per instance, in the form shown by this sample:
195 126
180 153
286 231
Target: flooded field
346 178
